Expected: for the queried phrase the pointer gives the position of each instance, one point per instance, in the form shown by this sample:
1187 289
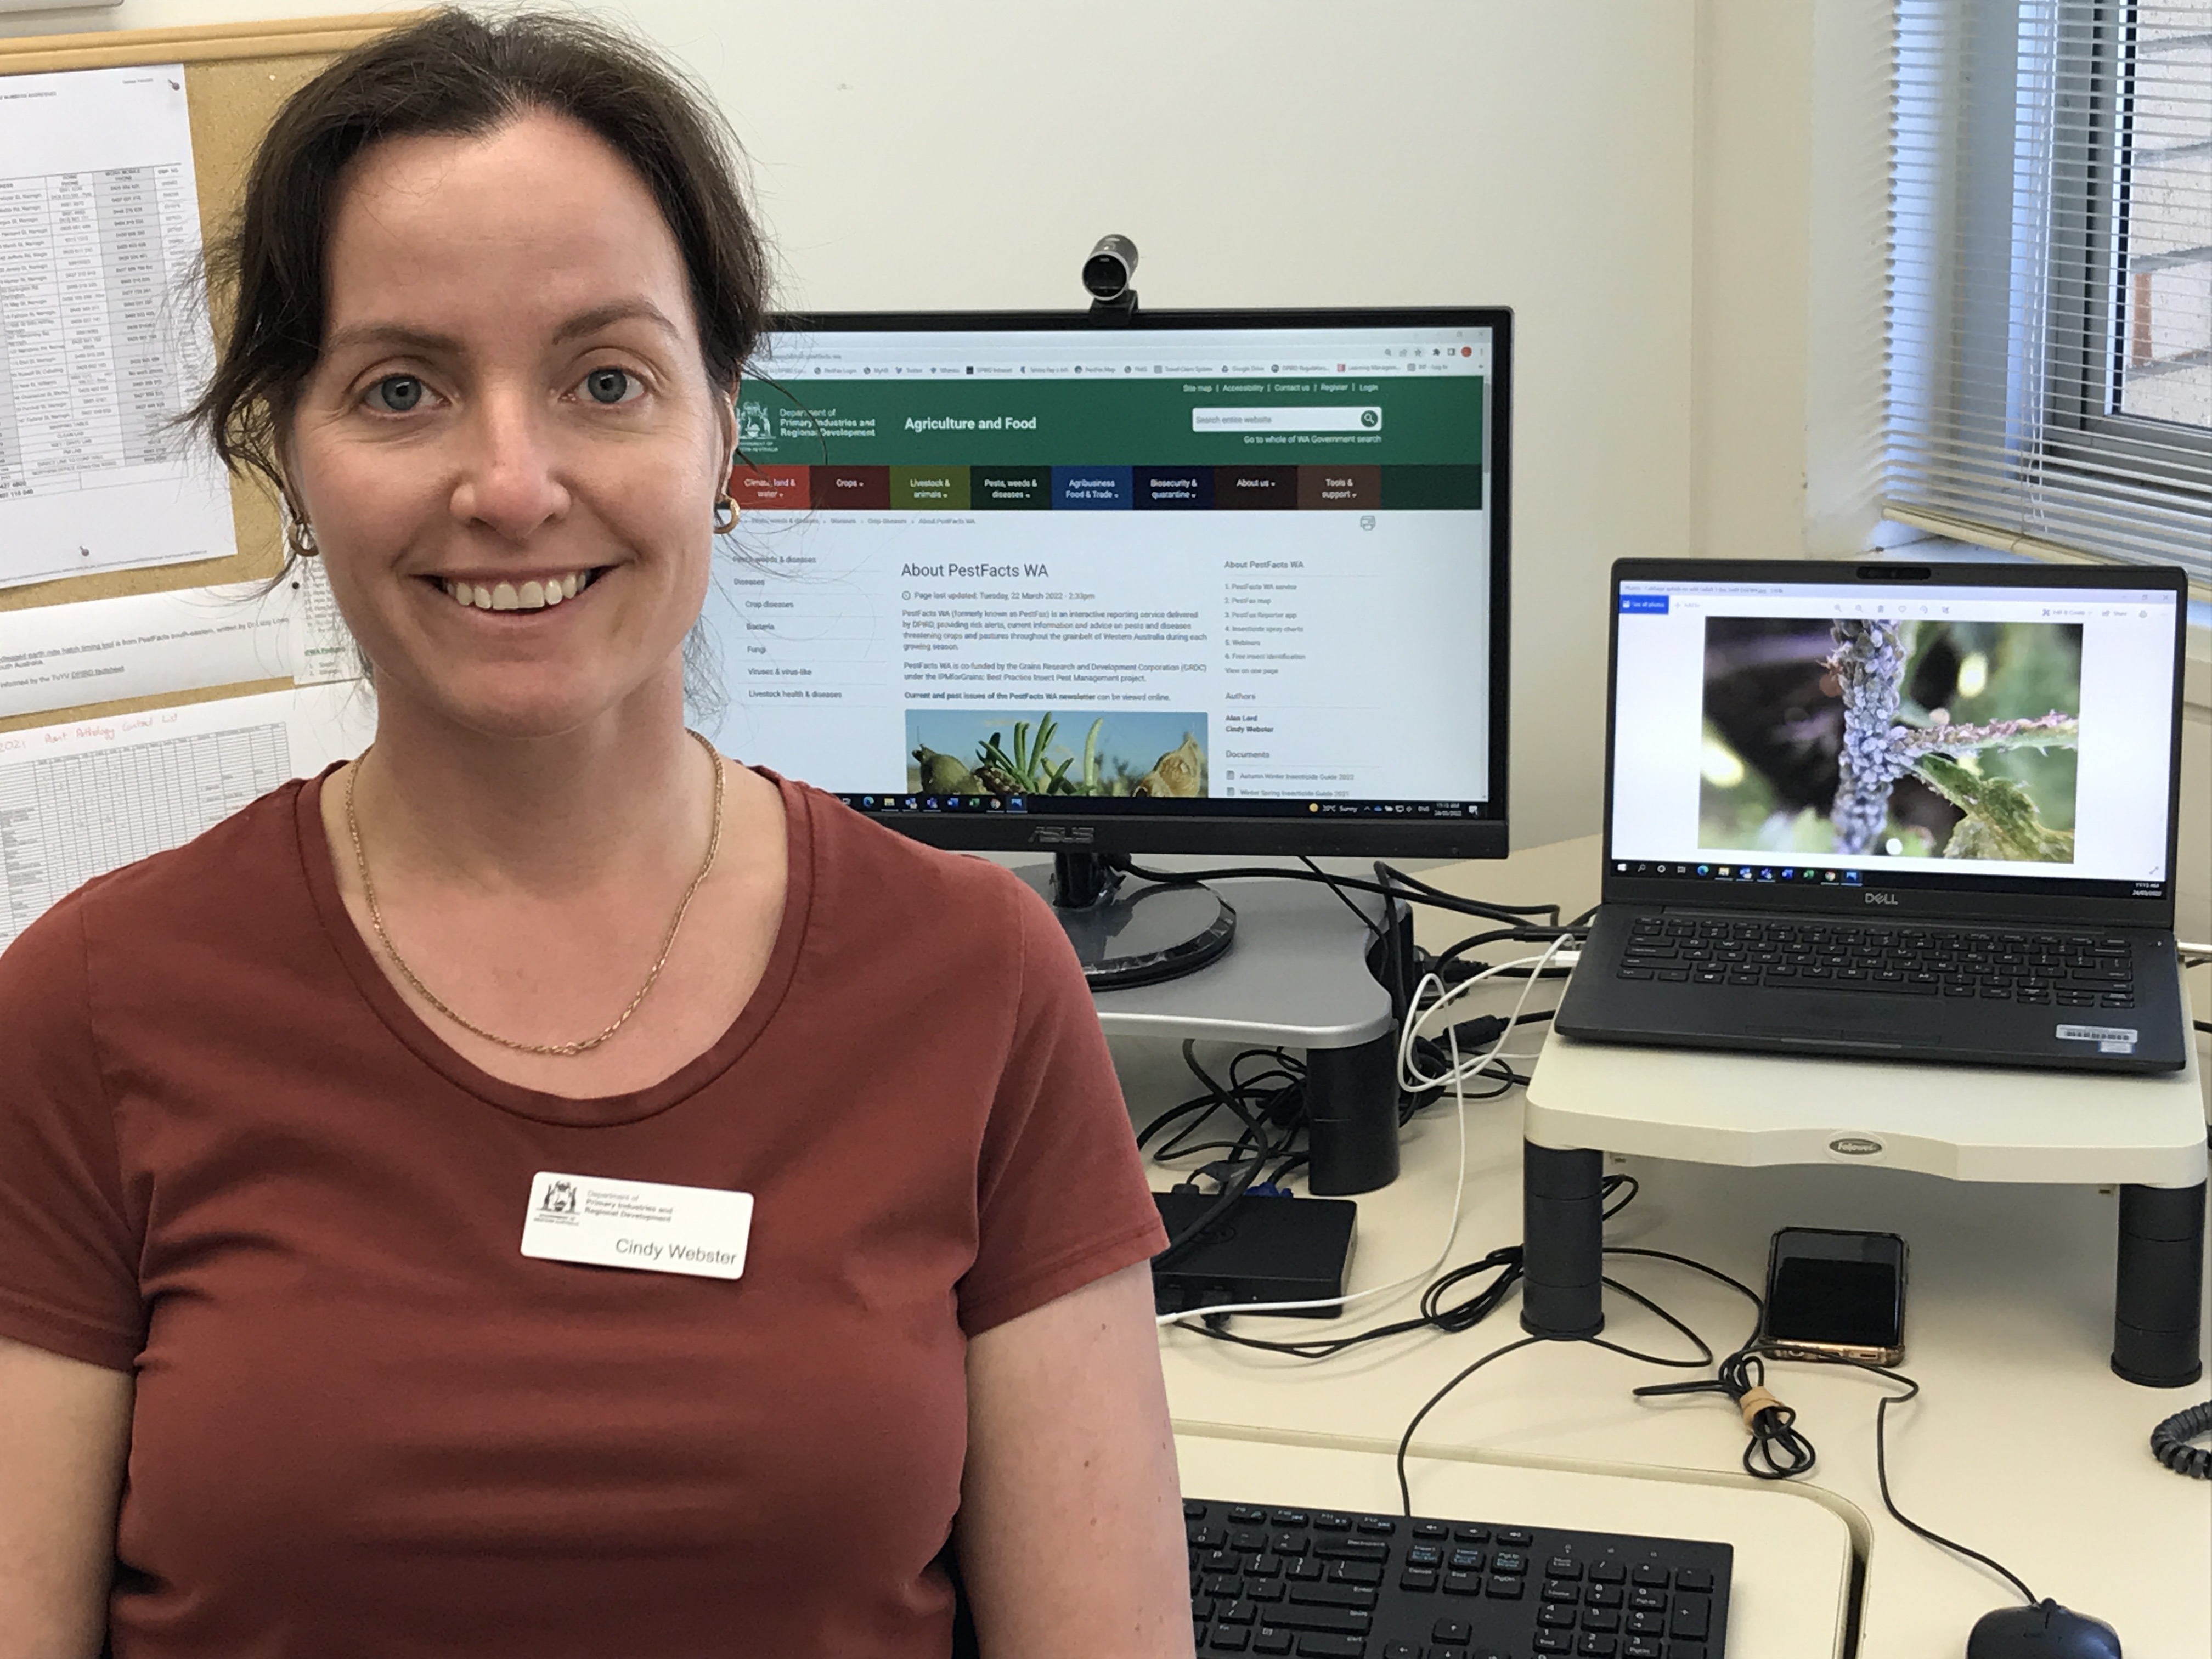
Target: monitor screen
1192 582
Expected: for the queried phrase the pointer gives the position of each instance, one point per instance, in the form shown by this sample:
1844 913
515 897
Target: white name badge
637 1223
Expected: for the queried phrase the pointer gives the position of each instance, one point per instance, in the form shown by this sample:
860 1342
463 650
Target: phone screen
1839 1289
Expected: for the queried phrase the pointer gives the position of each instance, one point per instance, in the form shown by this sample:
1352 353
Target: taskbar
1292 806
1878 874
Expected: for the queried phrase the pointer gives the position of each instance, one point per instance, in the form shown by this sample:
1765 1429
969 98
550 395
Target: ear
725 431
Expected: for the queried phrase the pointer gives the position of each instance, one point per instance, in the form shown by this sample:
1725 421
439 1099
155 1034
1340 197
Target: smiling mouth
536 594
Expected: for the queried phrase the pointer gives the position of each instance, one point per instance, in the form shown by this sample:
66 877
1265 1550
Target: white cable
1410 1076
1455 1080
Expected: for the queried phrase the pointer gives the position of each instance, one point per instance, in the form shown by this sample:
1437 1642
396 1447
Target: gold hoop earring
726 513
300 537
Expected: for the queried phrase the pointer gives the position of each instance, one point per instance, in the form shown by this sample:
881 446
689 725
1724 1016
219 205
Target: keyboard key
1503 1589
1641 1647
1286 1518
1607 1573
1400 1650
1356 1572
1598 1646
1601 1619
1647 1624
1551 1616
1244 1513
1603 1595
1378 1523
1462 1584
1292 1615
1554 1641
1331 1647
1330 1595
1228 1638
1430 1529
1466 1561
1691 1620
1471 1535
1237 1612
1694 1578
1516 1535
1648 1574
1267 1639
1418 1579
1451 1630
1351 1549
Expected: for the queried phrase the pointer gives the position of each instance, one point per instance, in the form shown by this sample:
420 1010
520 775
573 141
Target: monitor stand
1141 937
1298 978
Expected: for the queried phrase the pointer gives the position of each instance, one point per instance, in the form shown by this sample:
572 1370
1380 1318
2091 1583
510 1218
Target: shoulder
965 924
854 852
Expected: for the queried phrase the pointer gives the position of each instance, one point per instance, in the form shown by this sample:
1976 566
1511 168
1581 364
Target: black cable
1404 1487
2169 1441
2202 1024
1399 877
1704 1358
1373 928
1420 892
1775 1450
1881 1474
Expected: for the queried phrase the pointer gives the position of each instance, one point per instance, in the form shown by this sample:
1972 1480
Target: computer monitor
1174 581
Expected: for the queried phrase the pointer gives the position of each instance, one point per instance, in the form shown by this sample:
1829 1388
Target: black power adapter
1258 1249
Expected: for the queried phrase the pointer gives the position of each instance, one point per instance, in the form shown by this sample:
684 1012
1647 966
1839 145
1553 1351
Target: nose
509 482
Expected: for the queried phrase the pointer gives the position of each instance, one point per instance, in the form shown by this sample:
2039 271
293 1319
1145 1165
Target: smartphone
1835 1295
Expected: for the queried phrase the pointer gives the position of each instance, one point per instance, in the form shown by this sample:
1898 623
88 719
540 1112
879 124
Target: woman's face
509 450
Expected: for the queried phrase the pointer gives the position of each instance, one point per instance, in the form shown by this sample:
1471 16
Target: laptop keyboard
1322 1584
2071 970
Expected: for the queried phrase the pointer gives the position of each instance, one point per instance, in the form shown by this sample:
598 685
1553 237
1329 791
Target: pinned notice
102 340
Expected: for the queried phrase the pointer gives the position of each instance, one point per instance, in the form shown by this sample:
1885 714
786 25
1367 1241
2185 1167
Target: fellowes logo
1881 898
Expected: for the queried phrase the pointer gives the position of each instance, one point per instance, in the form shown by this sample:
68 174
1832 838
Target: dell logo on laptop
1881 898
1856 1146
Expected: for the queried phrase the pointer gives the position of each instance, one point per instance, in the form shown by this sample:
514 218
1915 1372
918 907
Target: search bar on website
1325 418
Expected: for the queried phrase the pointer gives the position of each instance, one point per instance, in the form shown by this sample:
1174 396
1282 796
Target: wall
1264 152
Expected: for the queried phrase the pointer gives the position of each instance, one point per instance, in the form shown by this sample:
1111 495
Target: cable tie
1757 1400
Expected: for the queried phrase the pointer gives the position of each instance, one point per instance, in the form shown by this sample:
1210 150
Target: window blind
2050 302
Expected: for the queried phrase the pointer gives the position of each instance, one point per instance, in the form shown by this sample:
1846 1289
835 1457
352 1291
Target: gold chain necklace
376 920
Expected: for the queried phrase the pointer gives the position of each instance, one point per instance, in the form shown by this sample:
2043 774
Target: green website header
1200 421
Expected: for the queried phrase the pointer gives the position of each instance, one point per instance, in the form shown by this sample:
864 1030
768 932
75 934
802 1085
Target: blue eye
609 385
397 394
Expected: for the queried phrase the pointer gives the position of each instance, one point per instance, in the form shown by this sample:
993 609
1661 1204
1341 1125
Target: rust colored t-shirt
232 1159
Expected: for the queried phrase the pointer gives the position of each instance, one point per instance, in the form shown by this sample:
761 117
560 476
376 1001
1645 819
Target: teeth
533 595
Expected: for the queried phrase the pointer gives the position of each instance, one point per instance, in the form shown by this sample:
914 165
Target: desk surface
2023 1443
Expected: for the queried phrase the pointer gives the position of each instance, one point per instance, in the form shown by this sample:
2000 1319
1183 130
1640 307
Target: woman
273 1106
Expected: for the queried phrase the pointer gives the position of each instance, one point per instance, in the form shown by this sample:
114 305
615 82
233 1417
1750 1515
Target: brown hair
455 75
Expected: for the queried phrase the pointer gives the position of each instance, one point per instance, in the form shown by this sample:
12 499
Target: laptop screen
2006 734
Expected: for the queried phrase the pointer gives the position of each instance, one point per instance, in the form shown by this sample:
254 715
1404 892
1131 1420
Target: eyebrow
428 342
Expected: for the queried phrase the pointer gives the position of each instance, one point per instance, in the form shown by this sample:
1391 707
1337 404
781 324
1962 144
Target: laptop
1896 810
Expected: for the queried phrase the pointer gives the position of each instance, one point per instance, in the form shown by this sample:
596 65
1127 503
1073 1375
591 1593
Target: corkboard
236 76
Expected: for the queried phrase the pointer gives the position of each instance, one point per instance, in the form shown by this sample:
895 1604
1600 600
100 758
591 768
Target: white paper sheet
79 799
146 644
100 343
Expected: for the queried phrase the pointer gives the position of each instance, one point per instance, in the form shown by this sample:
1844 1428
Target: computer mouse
2045 1631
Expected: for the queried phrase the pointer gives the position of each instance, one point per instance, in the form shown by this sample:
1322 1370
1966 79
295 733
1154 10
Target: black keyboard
2072 970
1324 1584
